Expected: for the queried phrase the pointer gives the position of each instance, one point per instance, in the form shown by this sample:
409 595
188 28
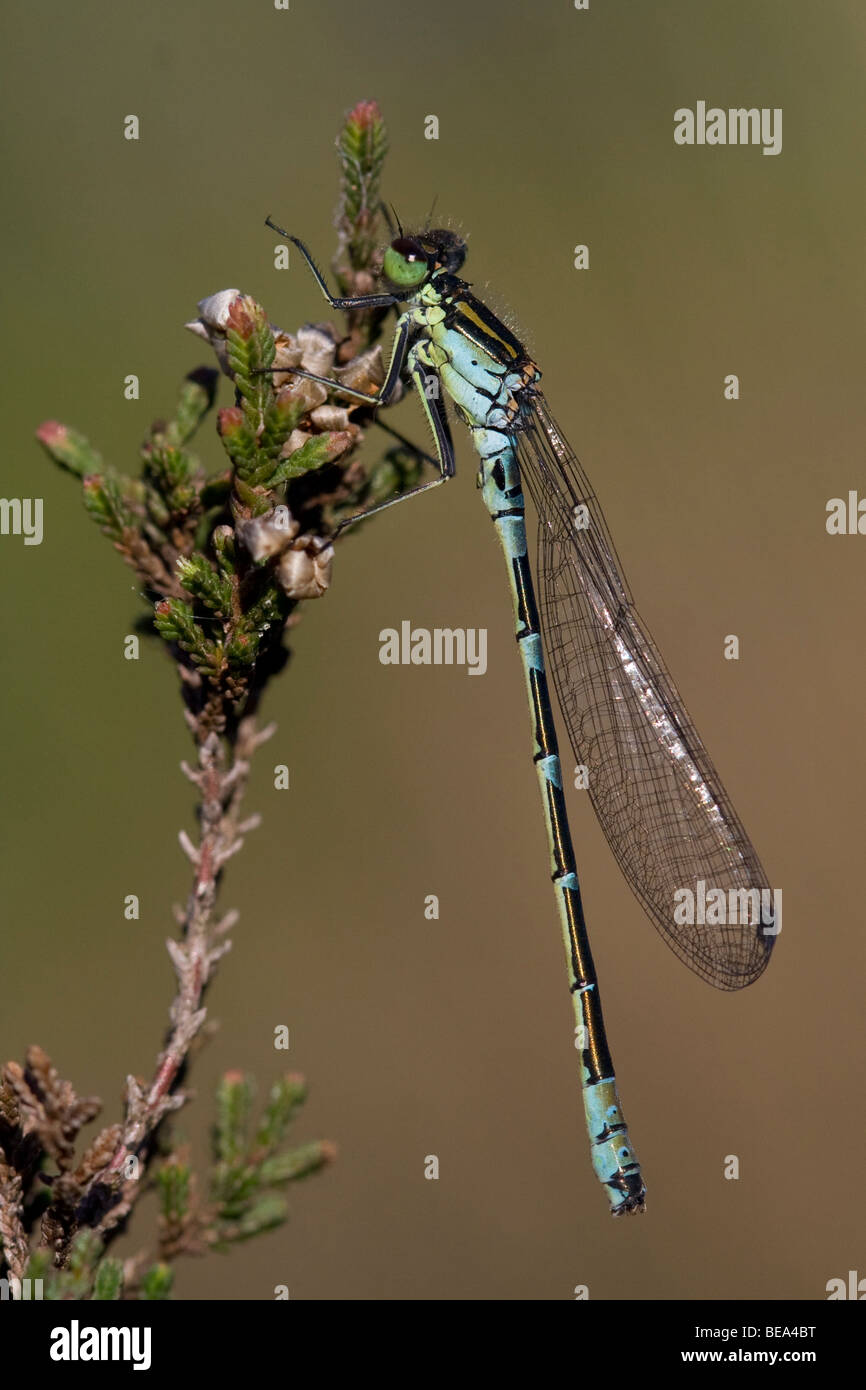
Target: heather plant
224 556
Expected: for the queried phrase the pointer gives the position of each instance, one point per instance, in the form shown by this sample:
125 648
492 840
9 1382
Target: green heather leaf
108 1283
198 577
287 1095
233 1185
298 1163
265 1215
156 1283
197 395
238 439
281 417
69 449
234 1100
174 1182
318 450
270 607
103 502
174 620
362 146
242 648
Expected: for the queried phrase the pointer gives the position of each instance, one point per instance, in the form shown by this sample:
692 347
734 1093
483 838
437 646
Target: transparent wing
657 795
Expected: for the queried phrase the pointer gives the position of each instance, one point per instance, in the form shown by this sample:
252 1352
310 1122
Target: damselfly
661 804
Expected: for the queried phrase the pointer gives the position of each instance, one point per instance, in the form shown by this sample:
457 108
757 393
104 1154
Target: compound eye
405 263
410 249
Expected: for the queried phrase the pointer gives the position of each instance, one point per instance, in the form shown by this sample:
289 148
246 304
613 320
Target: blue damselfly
660 801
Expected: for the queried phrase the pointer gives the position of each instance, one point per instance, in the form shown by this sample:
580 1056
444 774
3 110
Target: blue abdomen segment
613 1159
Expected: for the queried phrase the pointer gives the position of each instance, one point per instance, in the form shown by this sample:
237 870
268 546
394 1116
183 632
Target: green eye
405 263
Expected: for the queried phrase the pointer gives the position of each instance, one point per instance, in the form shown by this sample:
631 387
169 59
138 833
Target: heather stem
196 955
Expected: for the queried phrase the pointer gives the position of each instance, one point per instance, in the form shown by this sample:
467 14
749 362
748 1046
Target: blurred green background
454 1038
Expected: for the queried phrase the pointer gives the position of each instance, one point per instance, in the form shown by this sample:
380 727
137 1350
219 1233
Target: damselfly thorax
482 365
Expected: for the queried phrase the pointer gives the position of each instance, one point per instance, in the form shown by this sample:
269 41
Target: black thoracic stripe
467 315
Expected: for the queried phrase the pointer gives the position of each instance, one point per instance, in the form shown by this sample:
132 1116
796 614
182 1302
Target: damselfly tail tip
628 1208
634 1200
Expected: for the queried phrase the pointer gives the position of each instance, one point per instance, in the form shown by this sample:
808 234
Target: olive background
454 1037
